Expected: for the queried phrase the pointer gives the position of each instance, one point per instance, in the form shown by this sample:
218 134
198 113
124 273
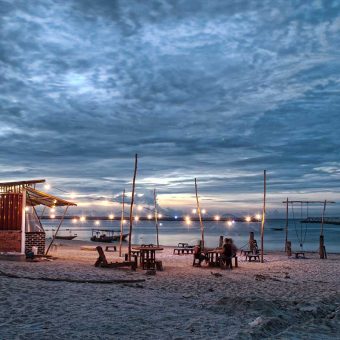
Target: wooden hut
20 226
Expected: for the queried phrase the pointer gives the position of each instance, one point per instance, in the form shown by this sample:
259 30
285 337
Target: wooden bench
111 248
255 257
102 261
300 255
183 251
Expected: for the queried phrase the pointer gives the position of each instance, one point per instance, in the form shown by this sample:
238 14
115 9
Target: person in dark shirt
227 252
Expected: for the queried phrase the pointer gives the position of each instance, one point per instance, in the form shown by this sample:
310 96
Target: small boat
106 235
65 237
277 229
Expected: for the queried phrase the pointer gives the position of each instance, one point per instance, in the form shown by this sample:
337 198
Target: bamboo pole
200 217
322 248
286 225
263 213
156 216
131 206
121 226
54 236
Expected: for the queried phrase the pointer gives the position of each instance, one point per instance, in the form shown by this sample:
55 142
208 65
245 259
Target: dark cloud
216 90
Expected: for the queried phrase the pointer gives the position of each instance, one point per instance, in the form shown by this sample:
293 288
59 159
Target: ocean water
173 232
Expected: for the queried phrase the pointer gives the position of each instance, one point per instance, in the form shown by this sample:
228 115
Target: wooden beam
131 205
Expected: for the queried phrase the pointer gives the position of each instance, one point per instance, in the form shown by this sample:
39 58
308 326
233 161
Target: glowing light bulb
194 211
111 216
52 216
149 216
72 195
27 208
187 220
136 218
47 186
258 216
140 208
217 218
52 209
124 221
97 222
176 217
74 220
82 218
203 211
248 218
230 223
160 215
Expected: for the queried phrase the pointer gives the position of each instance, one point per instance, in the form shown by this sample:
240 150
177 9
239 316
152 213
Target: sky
218 90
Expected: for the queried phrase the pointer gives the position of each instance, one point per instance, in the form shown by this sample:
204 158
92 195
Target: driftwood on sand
117 281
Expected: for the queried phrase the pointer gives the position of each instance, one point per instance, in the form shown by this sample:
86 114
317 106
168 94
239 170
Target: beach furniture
102 261
216 259
147 256
183 248
111 248
199 256
250 257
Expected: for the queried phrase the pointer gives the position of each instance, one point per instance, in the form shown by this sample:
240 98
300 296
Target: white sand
280 299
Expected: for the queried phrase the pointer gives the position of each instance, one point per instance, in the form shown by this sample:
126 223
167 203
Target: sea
303 236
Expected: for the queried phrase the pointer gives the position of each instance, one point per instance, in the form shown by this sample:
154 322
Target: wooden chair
102 261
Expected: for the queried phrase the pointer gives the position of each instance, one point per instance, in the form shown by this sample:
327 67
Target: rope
13 276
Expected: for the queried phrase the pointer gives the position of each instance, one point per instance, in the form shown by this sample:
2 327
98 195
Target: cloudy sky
217 90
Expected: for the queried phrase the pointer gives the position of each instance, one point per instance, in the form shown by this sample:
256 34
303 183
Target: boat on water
65 237
106 235
277 229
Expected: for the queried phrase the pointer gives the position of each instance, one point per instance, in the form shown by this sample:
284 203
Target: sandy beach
280 299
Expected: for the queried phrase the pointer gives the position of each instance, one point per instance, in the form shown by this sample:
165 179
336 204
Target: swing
301 232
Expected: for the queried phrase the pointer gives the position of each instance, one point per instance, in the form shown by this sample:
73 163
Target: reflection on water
174 232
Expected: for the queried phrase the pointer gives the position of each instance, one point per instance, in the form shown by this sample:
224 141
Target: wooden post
53 238
289 248
263 213
131 206
286 240
121 225
200 217
322 249
220 243
156 216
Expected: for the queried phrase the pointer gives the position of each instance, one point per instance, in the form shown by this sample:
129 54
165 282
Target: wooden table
214 256
147 256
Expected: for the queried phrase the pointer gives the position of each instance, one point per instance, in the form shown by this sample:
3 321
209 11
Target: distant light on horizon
52 216
82 219
217 218
230 223
204 211
176 217
136 218
160 215
149 216
247 218
194 211
111 216
139 208
74 220
258 216
187 220
47 186
97 222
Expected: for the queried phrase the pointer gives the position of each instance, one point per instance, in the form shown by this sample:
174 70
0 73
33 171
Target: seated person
198 254
233 247
227 253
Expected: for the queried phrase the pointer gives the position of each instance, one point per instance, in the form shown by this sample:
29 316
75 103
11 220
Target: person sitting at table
233 247
227 253
198 254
